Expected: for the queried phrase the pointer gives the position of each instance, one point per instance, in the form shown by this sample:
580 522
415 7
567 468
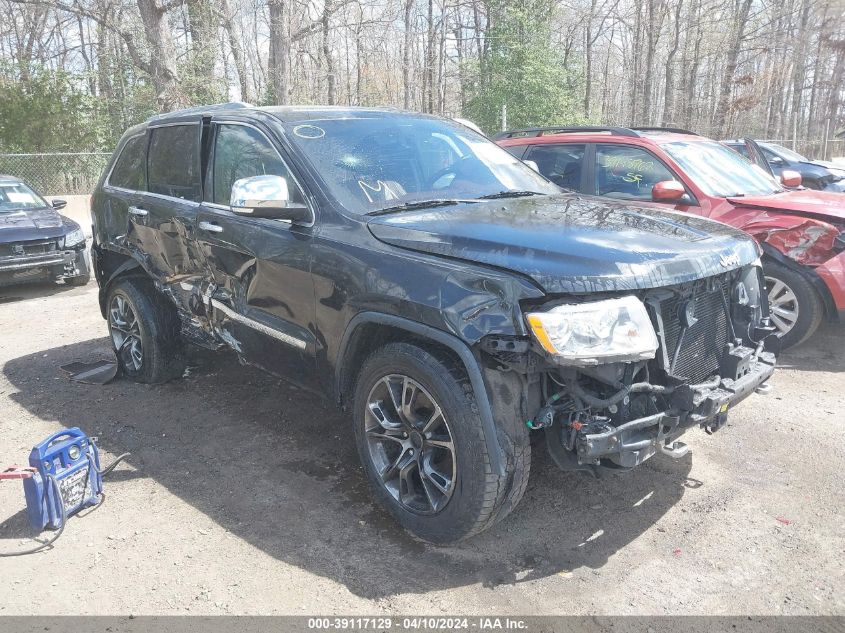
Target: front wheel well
368 337
770 254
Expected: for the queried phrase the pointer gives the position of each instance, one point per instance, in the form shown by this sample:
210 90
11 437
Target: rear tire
144 329
474 496
796 308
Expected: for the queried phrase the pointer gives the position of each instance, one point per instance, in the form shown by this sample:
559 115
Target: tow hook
675 450
717 423
763 389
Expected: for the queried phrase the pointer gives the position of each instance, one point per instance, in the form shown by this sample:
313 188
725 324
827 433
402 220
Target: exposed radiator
703 342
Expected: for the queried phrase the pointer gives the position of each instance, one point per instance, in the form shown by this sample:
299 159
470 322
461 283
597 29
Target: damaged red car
802 232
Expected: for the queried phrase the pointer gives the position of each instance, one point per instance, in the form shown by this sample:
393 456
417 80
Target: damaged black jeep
442 292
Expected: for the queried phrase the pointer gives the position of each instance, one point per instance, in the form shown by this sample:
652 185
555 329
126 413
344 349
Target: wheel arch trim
129 264
464 353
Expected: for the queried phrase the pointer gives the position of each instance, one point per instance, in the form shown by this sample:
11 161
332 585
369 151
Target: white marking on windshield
381 187
309 131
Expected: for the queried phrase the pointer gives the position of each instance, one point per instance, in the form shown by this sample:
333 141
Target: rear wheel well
369 337
109 267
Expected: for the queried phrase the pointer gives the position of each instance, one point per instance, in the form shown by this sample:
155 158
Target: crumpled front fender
803 240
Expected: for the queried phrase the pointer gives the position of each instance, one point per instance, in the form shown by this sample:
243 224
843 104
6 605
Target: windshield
15 196
719 171
784 152
395 161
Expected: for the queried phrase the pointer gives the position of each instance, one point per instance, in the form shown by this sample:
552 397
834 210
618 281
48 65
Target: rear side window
128 172
173 162
628 172
742 149
241 152
562 164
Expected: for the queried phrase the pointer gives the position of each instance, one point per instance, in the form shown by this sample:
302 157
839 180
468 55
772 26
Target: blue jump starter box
68 465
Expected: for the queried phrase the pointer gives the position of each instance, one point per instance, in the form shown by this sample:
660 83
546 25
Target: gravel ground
243 495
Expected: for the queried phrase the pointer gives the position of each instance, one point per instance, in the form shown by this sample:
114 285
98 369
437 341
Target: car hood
572 244
826 164
33 224
821 205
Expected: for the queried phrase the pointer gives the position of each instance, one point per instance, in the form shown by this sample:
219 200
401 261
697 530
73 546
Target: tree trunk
653 28
278 66
798 69
692 77
331 90
669 79
236 44
162 64
406 55
429 59
588 59
721 115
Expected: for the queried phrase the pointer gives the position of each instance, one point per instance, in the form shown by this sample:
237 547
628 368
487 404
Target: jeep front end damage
625 377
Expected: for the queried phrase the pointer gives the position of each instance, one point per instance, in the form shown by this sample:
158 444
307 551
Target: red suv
802 232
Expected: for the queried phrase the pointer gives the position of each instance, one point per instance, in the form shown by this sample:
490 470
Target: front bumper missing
42 267
49 260
631 443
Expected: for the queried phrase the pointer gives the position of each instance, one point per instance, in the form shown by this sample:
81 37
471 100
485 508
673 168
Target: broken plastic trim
279 336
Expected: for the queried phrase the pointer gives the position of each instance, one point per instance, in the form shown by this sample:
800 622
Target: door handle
211 227
138 211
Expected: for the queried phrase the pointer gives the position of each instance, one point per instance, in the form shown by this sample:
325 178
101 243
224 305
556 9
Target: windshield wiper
510 194
421 204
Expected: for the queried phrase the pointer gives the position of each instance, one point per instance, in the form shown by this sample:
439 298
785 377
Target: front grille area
34 247
702 344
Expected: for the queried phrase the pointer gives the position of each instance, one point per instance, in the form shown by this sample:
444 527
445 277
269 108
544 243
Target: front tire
796 308
422 445
144 330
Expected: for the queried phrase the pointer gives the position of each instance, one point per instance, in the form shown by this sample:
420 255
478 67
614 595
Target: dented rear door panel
163 218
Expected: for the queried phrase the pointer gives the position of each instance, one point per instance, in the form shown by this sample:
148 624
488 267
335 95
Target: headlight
612 330
74 237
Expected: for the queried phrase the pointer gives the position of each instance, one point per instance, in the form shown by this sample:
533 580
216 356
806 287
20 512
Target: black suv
419 275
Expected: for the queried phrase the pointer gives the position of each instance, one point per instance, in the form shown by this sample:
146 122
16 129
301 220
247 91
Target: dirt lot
243 495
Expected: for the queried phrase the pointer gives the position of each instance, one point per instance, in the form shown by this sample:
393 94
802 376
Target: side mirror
533 165
790 178
266 197
668 191
59 204
777 161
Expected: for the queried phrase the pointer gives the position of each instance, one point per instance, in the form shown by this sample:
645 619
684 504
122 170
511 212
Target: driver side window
628 172
240 152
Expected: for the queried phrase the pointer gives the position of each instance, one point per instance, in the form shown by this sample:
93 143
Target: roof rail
231 105
540 131
614 131
673 130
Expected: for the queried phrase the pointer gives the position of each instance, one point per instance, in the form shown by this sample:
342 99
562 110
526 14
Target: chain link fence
77 173
57 174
